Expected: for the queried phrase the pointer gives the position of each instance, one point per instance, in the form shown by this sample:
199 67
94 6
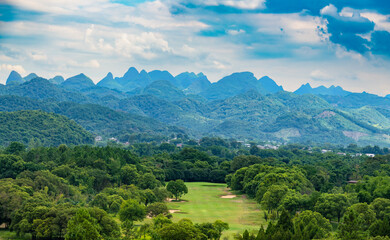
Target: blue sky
323 42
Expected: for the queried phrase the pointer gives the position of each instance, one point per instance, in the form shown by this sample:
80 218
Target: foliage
177 188
50 129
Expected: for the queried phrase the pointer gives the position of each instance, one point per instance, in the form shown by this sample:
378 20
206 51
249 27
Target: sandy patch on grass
229 196
174 210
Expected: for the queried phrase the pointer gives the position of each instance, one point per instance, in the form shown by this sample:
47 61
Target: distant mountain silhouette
14 78
78 82
30 77
321 90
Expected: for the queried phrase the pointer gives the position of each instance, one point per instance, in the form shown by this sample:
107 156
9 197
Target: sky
321 42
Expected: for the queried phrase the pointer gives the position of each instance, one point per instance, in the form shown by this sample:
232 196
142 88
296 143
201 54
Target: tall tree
177 188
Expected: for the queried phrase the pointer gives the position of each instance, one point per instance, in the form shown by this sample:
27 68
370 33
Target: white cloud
157 15
294 28
219 65
38 56
242 4
235 32
97 36
319 75
381 21
329 10
245 4
57 6
17 68
145 45
90 64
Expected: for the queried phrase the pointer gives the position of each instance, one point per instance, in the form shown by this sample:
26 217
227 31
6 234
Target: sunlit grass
204 204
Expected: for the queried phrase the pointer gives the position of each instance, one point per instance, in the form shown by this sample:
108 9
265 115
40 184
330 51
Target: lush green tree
183 230
293 202
220 226
148 197
381 227
100 201
161 194
11 165
177 188
160 221
148 181
15 148
108 227
381 207
82 227
129 174
156 209
332 205
11 198
273 197
131 210
356 221
311 225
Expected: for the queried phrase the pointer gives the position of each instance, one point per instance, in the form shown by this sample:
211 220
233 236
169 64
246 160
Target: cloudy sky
323 42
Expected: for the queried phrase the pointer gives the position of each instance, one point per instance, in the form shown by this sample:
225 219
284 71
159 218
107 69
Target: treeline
79 192
321 197
52 192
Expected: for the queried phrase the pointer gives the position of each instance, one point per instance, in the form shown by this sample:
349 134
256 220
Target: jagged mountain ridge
239 106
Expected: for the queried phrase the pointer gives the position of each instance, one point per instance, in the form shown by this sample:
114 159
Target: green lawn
5 234
204 204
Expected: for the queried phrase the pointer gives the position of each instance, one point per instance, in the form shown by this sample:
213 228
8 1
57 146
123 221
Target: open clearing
204 203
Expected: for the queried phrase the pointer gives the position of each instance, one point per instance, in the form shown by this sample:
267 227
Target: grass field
204 204
5 235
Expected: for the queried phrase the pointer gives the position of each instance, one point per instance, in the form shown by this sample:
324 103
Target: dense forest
86 192
41 128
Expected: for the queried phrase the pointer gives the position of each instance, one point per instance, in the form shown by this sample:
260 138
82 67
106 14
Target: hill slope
47 128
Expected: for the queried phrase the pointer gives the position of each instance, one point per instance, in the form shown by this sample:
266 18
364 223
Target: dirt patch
354 135
326 114
174 211
174 200
229 196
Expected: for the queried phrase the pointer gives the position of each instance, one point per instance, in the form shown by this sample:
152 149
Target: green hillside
94 118
47 128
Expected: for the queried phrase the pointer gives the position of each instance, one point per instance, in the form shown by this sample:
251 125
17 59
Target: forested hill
97 119
238 106
42 128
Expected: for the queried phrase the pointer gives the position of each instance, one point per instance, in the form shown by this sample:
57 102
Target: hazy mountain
30 77
186 79
108 82
157 75
358 100
269 85
238 106
95 118
78 82
131 80
140 81
198 86
161 89
321 90
57 80
40 88
14 78
231 85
